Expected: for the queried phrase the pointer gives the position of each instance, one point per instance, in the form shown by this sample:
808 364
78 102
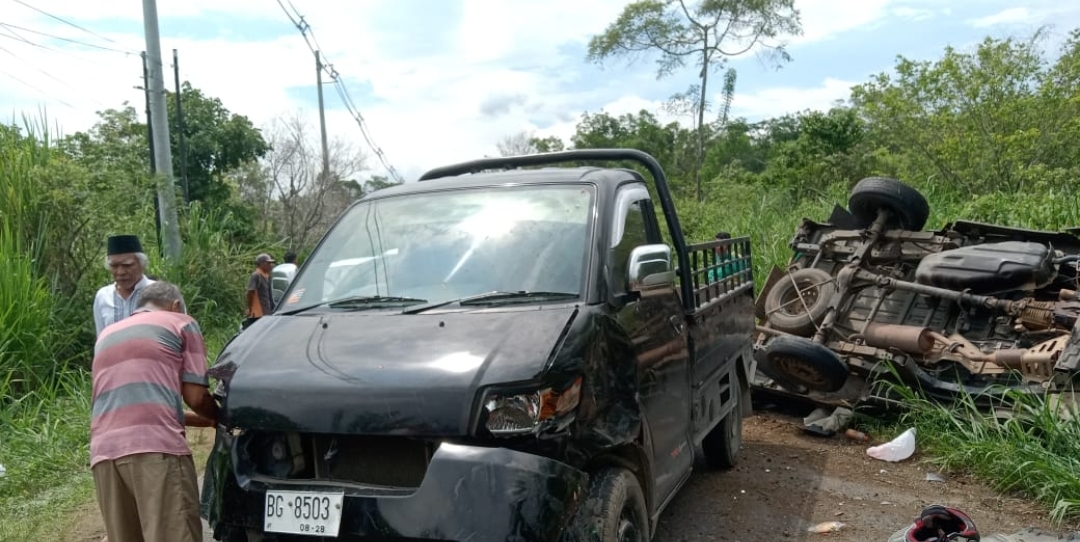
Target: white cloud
441 89
824 19
915 14
1007 16
781 100
429 105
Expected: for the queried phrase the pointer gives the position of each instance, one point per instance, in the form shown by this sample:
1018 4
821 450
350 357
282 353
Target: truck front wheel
613 510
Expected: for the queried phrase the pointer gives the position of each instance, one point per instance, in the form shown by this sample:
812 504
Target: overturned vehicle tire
908 208
795 362
799 301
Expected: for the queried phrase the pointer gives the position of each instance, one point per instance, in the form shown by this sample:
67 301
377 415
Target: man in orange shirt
260 299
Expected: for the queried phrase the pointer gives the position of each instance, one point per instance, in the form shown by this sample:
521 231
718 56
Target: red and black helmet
938 523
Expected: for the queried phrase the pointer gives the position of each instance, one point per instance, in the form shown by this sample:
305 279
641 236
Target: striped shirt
139 365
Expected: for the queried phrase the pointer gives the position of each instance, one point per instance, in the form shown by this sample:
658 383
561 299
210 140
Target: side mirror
650 268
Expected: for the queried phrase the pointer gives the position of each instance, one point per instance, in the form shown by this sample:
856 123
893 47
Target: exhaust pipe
910 339
923 341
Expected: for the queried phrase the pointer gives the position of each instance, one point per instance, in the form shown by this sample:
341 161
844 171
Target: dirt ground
787 481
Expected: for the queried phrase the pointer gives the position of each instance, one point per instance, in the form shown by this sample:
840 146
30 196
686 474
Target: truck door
656 326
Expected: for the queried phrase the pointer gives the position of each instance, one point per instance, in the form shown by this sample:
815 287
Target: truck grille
382 461
392 462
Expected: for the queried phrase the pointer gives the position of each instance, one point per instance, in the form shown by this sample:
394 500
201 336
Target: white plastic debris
897 449
827 527
3 471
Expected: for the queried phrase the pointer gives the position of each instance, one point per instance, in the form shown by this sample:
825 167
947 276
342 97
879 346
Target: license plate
312 513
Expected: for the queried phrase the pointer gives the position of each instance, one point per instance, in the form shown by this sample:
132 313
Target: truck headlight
522 413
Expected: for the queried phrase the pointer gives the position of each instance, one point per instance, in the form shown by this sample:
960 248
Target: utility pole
150 138
322 118
162 152
180 130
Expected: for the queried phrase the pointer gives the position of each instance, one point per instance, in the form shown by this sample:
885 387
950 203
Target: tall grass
1027 446
44 448
26 303
213 272
26 309
768 216
44 405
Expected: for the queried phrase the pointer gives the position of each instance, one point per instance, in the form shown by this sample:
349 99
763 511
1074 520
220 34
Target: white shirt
110 308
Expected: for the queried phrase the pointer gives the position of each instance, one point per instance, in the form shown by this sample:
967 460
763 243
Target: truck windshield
439 246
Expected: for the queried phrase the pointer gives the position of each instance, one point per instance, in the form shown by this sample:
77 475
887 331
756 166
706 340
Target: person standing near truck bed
145 368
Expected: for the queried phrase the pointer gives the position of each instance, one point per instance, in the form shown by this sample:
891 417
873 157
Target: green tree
548 144
1000 117
707 34
216 141
377 182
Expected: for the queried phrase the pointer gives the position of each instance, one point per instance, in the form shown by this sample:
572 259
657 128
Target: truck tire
786 313
908 207
612 510
721 445
802 362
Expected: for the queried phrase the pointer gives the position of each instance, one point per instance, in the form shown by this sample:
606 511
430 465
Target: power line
61 38
343 92
69 23
15 36
49 75
36 88
11 34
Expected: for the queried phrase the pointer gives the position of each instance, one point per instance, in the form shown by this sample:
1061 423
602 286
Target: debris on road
827 527
934 477
856 435
897 449
821 422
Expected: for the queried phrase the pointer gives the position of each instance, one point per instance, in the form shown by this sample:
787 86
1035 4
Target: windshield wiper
492 298
372 302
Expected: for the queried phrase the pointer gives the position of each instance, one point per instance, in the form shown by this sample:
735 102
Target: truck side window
634 234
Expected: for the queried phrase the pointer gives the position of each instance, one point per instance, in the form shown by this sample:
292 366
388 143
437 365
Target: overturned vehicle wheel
797 362
907 206
798 301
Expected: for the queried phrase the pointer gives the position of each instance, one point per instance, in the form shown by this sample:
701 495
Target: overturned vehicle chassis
972 309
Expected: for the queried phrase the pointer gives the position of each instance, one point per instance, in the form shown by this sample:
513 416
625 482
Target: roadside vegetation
1026 446
987 134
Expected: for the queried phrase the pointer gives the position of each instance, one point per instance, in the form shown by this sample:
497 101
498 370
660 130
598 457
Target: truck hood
382 374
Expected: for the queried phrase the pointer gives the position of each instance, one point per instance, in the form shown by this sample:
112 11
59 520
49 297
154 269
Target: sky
442 81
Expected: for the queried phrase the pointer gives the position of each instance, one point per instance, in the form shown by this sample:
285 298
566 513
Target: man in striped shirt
146 367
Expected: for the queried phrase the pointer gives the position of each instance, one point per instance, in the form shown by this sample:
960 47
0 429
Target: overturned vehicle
868 297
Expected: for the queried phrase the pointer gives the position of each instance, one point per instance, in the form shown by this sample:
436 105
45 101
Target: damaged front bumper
467 493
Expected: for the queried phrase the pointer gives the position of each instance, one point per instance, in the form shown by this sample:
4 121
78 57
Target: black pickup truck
500 351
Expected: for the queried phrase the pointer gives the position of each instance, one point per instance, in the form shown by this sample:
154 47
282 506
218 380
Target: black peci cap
124 244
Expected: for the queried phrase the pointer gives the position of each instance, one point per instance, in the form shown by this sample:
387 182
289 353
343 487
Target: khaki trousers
149 498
